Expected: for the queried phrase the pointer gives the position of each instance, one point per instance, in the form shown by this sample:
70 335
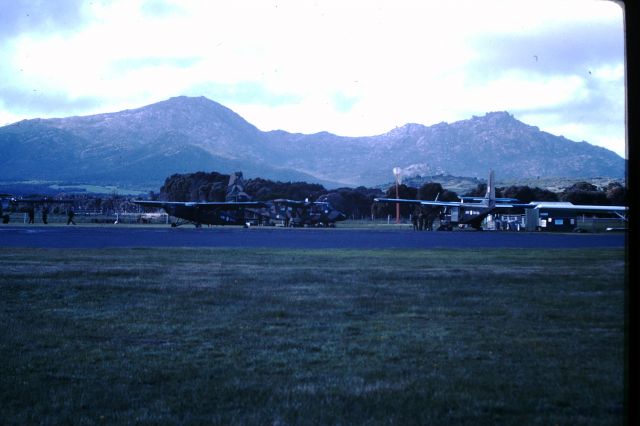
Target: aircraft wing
503 205
38 201
204 205
514 205
290 203
498 200
425 202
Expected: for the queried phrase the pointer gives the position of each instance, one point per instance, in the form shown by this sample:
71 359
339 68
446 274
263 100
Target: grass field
221 336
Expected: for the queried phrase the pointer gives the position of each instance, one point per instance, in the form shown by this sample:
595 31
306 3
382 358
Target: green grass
221 336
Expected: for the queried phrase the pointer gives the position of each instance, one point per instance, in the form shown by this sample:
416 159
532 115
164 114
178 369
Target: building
568 217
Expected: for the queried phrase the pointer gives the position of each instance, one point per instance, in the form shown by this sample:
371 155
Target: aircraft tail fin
235 188
490 196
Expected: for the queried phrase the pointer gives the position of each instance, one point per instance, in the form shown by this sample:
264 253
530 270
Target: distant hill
143 146
462 185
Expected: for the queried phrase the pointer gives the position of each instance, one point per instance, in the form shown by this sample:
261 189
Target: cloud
160 8
40 16
352 68
244 92
151 62
344 103
568 79
558 49
44 103
596 113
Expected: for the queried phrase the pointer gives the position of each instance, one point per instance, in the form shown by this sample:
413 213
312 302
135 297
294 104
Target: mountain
465 148
138 147
143 146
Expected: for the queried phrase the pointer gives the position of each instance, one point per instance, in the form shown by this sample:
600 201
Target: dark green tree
585 193
404 192
430 190
616 194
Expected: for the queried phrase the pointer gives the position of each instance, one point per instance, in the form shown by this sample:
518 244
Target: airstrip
235 237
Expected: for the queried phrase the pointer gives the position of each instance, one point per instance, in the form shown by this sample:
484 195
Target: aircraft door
454 214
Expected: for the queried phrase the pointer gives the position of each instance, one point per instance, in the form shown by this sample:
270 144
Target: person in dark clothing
429 223
32 215
70 215
5 217
45 214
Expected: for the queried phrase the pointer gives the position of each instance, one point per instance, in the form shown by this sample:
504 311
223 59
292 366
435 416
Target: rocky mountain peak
503 119
407 130
187 134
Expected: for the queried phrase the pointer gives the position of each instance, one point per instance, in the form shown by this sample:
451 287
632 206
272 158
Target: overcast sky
350 67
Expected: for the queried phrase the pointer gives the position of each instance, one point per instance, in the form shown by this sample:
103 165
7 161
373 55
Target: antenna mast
397 172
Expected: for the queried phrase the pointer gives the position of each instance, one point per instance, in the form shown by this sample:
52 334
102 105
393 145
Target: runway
346 238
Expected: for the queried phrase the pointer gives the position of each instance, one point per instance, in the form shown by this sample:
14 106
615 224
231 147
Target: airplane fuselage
309 214
464 215
197 215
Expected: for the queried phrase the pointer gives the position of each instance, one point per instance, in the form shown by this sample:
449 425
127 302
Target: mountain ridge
186 134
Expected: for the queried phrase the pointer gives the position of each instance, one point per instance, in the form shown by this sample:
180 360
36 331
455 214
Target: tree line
358 202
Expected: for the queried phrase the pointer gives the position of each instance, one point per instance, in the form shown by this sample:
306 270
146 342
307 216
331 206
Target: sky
349 67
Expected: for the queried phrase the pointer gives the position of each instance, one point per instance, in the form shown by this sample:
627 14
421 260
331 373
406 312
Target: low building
568 217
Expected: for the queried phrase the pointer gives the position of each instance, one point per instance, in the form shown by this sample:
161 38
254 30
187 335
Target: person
70 215
428 222
45 214
32 215
5 217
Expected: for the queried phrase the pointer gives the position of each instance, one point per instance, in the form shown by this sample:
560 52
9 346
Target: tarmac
95 237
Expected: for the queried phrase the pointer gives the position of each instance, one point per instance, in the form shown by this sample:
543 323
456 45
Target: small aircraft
206 212
468 211
303 213
233 211
238 209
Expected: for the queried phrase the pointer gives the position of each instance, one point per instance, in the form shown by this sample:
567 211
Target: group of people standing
32 215
45 215
422 221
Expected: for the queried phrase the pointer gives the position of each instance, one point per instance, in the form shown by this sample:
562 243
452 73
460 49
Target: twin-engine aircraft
208 213
468 211
238 209
233 211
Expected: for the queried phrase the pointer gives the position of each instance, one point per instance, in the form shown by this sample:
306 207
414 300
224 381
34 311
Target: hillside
143 146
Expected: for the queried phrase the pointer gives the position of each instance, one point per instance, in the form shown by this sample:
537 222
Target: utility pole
397 171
